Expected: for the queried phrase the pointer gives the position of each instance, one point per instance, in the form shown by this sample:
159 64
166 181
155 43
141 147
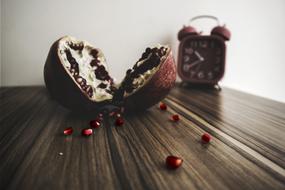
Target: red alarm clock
201 58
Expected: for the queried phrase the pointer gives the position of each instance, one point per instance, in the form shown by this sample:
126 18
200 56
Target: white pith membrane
135 78
86 71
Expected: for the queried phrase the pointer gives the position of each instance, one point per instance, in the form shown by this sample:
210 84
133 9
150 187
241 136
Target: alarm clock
201 58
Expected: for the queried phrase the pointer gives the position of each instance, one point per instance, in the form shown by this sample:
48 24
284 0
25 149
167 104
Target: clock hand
198 67
195 63
199 56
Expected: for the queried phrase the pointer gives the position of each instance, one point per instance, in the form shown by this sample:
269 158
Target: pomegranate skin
62 88
155 89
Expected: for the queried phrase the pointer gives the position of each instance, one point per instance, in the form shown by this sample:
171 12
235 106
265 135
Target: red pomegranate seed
68 131
206 138
95 123
87 132
173 162
119 121
163 106
175 117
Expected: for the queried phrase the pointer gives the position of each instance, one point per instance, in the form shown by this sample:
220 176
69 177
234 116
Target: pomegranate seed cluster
144 68
74 69
152 58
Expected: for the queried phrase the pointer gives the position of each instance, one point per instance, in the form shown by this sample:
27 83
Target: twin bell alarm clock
201 58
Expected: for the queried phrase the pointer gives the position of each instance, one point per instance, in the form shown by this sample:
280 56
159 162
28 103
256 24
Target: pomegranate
76 75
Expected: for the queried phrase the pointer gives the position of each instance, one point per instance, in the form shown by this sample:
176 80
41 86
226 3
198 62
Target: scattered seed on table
87 132
68 131
206 138
119 121
175 117
163 106
95 123
173 162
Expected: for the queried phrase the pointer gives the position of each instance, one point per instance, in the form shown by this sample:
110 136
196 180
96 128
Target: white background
123 28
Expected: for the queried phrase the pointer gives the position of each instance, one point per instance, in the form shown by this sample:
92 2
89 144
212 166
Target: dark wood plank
256 122
132 156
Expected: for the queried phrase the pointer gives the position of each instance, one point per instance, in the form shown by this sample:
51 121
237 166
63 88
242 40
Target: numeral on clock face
210 75
194 44
188 51
186 67
203 44
201 75
218 59
218 51
217 69
192 74
186 58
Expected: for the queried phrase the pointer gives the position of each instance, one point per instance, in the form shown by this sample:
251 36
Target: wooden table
247 150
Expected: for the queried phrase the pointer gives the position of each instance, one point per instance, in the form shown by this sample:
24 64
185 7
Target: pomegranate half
76 75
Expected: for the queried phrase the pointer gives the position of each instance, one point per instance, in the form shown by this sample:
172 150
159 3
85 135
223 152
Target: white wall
1 43
123 28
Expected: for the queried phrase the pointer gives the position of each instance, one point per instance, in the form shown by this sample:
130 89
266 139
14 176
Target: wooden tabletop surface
247 150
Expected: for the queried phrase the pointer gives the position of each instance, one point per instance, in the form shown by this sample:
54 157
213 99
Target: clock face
202 59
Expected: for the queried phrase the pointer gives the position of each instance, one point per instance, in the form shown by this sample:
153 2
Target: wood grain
247 150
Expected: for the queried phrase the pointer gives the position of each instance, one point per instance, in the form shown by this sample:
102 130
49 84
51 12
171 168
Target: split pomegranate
76 75
173 162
